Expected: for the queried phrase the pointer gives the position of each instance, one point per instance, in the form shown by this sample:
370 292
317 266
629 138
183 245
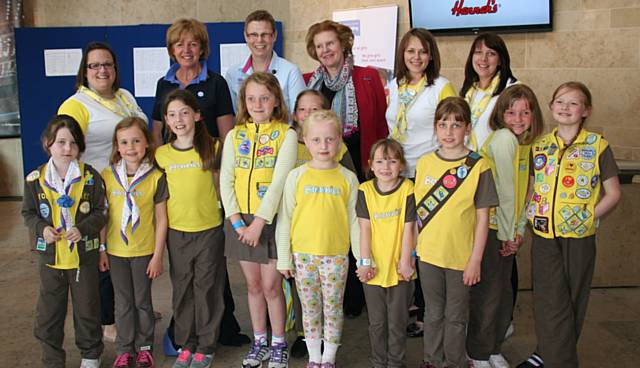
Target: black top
212 94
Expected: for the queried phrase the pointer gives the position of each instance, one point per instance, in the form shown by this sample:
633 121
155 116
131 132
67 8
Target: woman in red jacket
356 93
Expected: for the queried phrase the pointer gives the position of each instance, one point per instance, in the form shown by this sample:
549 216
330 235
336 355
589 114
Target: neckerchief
130 210
119 105
479 107
55 183
407 95
344 102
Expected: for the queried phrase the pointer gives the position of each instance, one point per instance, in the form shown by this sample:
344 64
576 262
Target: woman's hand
50 235
103 263
251 235
154 269
471 274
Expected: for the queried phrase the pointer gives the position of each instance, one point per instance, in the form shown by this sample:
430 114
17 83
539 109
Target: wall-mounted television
455 17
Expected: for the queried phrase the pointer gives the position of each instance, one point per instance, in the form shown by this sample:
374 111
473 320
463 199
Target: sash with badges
443 189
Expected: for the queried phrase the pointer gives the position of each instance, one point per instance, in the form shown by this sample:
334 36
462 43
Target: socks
260 336
535 360
314 347
277 340
329 354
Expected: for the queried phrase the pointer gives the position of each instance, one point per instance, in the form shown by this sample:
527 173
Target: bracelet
414 253
364 262
102 248
238 224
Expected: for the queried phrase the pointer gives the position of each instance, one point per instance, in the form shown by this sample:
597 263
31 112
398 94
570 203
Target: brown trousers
388 310
491 302
562 272
134 317
446 316
51 310
197 269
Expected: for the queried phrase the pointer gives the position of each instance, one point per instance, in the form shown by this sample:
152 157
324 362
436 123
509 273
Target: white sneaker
498 361
90 363
509 332
479 364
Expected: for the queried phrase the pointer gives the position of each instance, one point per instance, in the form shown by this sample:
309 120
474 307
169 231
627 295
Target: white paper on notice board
375 31
232 54
61 62
149 65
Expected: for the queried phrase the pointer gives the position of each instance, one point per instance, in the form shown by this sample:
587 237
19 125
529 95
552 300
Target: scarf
120 105
344 102
130 210
407 95
55 183
478 108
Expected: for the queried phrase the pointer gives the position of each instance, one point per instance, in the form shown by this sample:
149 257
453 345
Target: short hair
55 124
322 116
130 122
575 86
455 106
81 77
495 43
390 149
428 41
260 16
344 33
507 98
192 26
268 80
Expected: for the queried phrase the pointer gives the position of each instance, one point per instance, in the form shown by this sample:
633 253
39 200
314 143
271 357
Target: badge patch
570 168
552 149
588 153
200 94
84 207
549 170
568 181
262 190
573 154
566 212
582 180
544 207
545 188
259 163
539 161
244 147
540 178
269 161
422 213
594 181
583 193
275 135
449 181
431 203
541 224
462 172
263 139
441 193
41 245
244 163
531 210
44 210
241 134
591 138
586 166
33 176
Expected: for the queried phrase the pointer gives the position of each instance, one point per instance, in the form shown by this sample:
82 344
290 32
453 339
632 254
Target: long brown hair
132 122
504 103
206 146
495 43
429 43
575 86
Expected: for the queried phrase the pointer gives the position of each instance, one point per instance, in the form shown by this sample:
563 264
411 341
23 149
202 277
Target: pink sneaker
184 359
123 360
145 360
313 365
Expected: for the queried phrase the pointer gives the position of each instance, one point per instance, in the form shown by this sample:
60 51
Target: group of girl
462 217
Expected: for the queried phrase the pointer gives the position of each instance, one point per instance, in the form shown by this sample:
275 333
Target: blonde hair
322 116
192 26
268 80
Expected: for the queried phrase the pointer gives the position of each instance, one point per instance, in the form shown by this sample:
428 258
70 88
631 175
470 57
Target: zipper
253 156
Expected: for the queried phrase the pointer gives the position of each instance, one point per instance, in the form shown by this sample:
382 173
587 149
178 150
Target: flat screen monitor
455 17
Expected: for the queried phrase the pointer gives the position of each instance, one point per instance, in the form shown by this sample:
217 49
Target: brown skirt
262 253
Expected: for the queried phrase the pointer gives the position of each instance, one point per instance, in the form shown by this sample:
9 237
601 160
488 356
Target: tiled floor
611 334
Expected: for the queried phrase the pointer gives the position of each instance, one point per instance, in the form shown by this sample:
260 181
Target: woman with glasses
260 35
98 105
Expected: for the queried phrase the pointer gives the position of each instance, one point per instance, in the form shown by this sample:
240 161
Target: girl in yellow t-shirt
387 211
454 190
258 154
195 240
136 234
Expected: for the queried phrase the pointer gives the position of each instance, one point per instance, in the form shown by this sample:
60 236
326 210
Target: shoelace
122 360
278 352
255 350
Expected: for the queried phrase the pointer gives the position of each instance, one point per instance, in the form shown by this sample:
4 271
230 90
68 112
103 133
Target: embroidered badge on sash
33 176
44 210
84 207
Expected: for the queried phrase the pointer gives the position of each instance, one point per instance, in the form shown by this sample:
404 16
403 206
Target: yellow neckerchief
407 95
119 105
76 193
477 109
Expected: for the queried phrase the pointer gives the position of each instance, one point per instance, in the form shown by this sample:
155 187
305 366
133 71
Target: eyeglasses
97 66
255 36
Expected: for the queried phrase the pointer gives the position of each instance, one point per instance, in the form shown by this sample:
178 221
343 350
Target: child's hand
471 274
154 269
405 270
365 273
251 235
510 247
50 235
73 235
286 273
103 263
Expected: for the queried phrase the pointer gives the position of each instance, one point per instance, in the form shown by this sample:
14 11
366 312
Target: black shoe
413 330
299 348
534 361
234 340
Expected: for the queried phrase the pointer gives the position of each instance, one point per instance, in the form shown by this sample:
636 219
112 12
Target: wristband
414 253
364 262
102 248
238 224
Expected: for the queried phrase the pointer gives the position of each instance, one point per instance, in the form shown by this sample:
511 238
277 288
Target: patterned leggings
320 281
